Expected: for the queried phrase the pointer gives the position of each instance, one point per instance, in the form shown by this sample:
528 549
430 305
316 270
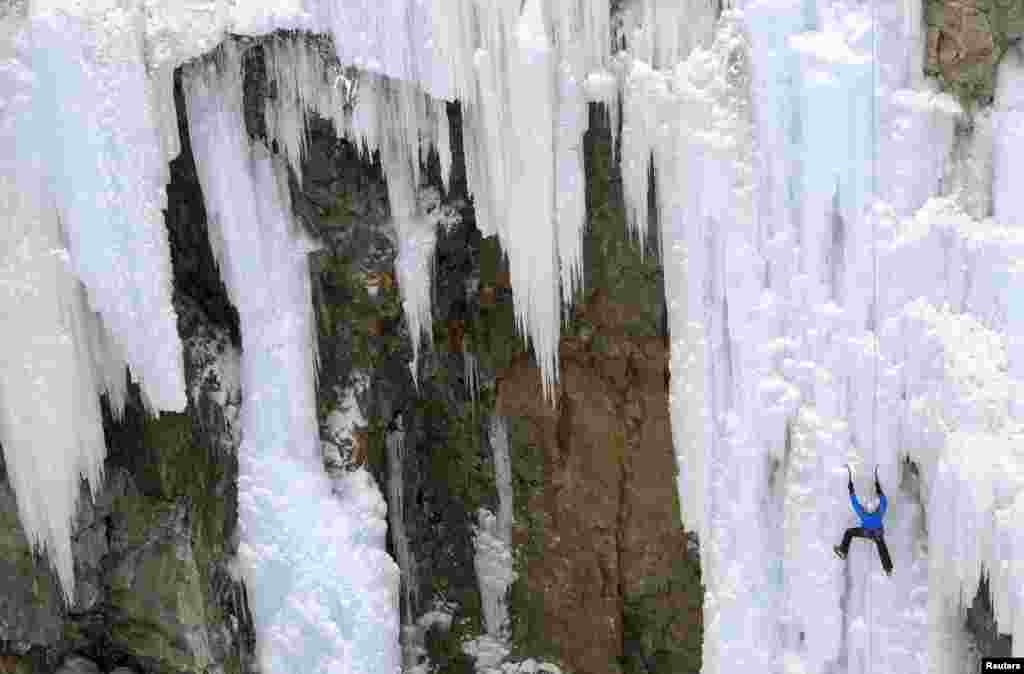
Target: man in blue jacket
871 526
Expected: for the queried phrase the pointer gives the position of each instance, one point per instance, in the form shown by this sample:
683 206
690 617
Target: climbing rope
876 345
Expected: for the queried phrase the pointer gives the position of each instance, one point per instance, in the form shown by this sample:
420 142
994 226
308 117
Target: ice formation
526 178
86 276
416 239
493 560
296 532
114 63
526 175
829 302
493 539
805 278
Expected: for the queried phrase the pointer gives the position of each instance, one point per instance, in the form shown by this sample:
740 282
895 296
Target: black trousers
876 535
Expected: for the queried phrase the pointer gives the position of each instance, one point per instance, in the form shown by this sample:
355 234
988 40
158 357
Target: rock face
607 583
965 41
153 589
31 607
365 348
981 624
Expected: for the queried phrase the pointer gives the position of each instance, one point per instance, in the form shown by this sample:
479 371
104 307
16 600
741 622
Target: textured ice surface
780 176
493 539
96 118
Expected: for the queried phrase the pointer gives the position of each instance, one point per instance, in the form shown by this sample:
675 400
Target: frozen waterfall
325 593
841 279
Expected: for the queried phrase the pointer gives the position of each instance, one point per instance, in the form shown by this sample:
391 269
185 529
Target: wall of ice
831 301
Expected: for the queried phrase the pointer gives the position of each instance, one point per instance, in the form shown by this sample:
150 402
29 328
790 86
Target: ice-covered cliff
839 242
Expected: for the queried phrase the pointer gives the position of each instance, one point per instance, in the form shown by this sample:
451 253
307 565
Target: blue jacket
870 520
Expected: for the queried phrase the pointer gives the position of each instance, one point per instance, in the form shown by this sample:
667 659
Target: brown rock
615 371
962 45
360 442
380 279
456 333
607 506
488 296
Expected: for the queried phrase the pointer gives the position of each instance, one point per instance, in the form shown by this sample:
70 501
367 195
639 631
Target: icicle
645 94
443 142
532 250
416 240
570 182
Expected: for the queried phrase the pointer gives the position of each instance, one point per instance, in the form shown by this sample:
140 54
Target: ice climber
871 526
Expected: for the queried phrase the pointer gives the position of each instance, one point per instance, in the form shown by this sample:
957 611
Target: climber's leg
883 553
843 548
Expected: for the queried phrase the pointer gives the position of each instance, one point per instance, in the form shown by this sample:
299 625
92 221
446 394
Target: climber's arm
857 507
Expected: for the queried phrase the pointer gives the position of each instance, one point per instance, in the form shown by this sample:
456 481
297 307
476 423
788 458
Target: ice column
416 239
324 594
493 560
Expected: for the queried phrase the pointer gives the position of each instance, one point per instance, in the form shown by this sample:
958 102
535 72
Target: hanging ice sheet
98 125
324 594
58 356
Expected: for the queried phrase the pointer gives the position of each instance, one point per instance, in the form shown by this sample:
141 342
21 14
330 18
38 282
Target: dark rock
31 603
991 642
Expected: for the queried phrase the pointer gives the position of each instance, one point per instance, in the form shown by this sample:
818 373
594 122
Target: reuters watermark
1002 665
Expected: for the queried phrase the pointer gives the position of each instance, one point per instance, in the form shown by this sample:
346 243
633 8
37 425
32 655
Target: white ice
777 240
99 124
